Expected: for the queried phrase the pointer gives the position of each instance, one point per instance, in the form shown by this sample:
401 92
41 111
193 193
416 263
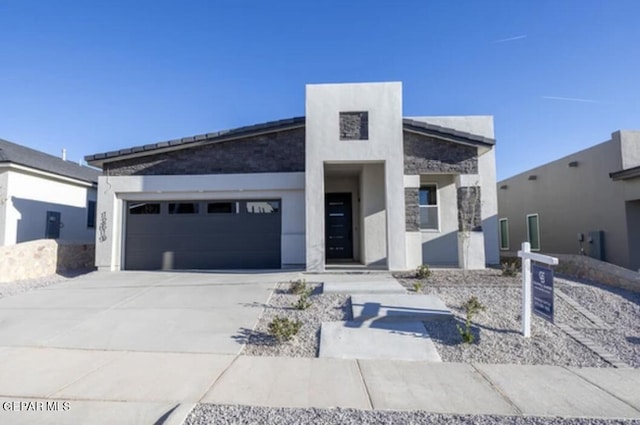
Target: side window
533 231
91 214
428 201
504 233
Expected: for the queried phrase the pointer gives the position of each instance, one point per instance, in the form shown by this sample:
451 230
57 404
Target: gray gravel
208 414
497 330
324 308
618 308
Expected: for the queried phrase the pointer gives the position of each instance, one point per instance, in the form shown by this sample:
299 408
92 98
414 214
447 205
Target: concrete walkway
137 387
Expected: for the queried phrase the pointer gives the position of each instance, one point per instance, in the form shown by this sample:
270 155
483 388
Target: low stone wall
584 267
44 257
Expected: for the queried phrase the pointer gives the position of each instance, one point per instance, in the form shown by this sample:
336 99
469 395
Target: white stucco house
353 182
42 196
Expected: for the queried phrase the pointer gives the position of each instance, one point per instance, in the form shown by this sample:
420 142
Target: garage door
203 235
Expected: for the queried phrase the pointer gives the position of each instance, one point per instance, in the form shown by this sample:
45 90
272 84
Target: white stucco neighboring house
353 182
42 196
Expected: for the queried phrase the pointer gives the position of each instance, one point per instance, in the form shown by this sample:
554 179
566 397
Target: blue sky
94 76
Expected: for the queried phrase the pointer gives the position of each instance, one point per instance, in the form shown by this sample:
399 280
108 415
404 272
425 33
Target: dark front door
338 239
52 226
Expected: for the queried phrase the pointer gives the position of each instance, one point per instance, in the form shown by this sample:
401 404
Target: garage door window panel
144 208
184 208
222 208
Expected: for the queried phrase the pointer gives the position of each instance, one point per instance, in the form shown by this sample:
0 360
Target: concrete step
360 284
398 307
377 340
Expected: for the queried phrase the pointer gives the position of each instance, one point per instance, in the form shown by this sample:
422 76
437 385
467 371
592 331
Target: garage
213 234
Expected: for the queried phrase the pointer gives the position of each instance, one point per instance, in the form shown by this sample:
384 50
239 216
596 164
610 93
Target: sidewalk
138 388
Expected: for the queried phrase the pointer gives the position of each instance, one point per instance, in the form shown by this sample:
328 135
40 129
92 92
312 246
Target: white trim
52 176
528 235
500 233
437 205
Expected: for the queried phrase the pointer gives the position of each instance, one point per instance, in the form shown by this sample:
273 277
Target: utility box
596 245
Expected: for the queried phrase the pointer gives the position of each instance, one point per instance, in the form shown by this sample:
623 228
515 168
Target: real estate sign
542 291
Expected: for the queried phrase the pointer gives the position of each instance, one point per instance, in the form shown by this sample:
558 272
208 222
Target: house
352 182
42 196
587 202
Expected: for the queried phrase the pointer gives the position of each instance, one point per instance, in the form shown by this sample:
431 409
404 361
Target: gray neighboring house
43 196
587 202
351 183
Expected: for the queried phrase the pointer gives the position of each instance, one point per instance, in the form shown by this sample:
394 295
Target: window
91 214
263 207
184 208
428 201
221 207
144 208
533 231
354 125
504 233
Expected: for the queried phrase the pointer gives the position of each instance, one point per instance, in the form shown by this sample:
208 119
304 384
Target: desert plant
471 307
299 286
283 329
509 269
417 286
423 271
303 302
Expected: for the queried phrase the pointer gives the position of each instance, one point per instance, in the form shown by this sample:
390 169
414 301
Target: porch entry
338 226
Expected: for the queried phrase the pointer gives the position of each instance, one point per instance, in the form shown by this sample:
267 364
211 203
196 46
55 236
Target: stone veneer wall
44 257
584 267
412 209
278 152
424 155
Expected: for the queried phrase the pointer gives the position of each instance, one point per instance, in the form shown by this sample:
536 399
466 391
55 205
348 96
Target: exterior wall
383 102
424 155
572 200
30 196
475 167
267 153
374 215
4 181
114 191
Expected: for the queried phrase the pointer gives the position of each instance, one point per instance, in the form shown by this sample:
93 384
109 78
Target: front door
52 226
338 232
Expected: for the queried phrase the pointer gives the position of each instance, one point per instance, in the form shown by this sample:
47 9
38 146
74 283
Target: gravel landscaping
324 308
497 329
209 414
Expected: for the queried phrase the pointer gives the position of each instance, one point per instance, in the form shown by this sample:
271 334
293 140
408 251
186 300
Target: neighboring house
353 182
587 202
42 196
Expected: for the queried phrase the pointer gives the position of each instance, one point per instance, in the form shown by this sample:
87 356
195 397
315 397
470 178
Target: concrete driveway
124 347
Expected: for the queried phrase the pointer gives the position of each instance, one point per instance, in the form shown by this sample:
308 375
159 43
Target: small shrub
509 269
417 286
283 329
471 307
303 302
299 286
423 272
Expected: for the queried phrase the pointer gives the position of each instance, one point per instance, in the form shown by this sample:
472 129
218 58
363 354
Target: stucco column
396 238
314 211
413 236
108 212
471 253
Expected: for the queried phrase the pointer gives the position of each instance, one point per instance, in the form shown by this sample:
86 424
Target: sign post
526 255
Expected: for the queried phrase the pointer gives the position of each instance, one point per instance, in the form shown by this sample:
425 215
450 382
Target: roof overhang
11 166
418 127
628 174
